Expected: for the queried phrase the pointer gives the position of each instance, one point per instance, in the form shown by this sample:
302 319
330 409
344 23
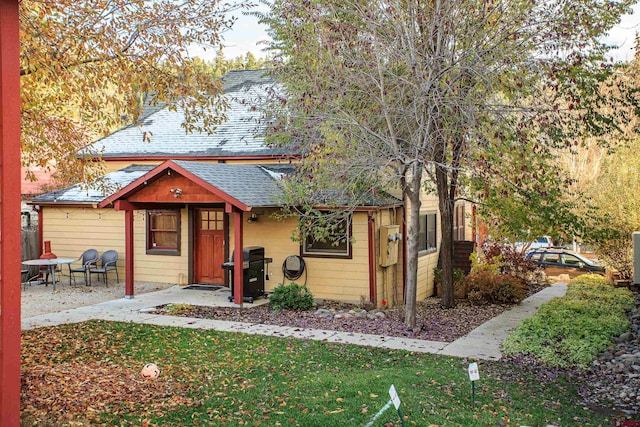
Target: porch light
252 218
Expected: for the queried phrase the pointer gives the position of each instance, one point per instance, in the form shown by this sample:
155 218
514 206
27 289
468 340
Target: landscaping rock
434 322
626 337
613 380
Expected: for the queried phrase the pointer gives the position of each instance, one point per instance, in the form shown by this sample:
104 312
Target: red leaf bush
486 287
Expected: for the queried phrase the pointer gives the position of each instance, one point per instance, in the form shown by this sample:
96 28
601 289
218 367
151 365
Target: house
176 206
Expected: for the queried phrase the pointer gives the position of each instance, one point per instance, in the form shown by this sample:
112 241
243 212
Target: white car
540 242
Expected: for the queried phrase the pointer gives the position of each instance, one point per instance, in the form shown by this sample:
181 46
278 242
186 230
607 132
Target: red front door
209 246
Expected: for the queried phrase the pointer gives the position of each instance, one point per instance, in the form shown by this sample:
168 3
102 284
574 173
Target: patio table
51 265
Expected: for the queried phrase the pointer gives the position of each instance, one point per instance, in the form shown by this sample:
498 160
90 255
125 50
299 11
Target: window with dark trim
337 246
163 232
427 240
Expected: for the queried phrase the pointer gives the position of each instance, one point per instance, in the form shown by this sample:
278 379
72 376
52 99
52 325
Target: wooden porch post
128 253
9 214
128 208
238 258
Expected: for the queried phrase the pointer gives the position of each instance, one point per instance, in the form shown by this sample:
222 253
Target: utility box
390 239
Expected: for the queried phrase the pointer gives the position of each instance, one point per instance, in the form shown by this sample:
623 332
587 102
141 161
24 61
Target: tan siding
275 236
427 262
114 165
468 221
389 283
160 268
251 162
73 230
329 278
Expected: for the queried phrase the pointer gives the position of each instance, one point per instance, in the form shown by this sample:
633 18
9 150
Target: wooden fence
30 248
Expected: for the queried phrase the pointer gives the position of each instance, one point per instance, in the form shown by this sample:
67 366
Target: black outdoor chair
46 272
108 262
24 274
89 260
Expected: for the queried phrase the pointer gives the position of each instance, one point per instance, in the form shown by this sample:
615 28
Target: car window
535 256
542 240
570 259
552 258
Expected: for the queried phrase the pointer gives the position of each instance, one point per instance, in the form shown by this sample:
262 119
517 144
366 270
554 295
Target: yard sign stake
474 375
395 400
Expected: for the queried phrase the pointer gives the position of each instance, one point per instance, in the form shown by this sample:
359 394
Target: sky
248 33
624 34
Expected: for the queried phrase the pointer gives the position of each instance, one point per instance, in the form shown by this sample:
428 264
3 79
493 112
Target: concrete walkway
483 342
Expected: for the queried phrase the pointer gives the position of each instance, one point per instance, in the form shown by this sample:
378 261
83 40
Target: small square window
163 232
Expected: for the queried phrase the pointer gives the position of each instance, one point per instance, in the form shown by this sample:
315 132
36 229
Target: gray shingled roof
253 185
238 135
95 193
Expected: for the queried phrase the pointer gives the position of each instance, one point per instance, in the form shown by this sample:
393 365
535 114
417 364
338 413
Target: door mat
204 287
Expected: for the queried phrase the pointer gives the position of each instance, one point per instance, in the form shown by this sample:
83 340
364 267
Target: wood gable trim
170 183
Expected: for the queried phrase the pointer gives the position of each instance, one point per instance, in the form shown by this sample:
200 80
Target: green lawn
88 374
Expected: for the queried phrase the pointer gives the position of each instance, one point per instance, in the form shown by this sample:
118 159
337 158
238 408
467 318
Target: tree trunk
445 202
413 193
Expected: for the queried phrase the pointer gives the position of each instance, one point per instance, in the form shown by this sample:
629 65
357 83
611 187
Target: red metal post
238 258
128 253
9 214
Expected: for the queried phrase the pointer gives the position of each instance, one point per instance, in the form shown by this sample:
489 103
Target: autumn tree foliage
423 94
611 199
88 66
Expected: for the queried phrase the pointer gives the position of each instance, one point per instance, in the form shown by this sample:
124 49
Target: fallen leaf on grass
79 389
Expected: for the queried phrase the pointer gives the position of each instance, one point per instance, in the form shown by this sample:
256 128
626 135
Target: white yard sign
394 397
474 374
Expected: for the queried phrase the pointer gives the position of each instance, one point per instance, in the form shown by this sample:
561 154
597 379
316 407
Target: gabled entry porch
213 197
